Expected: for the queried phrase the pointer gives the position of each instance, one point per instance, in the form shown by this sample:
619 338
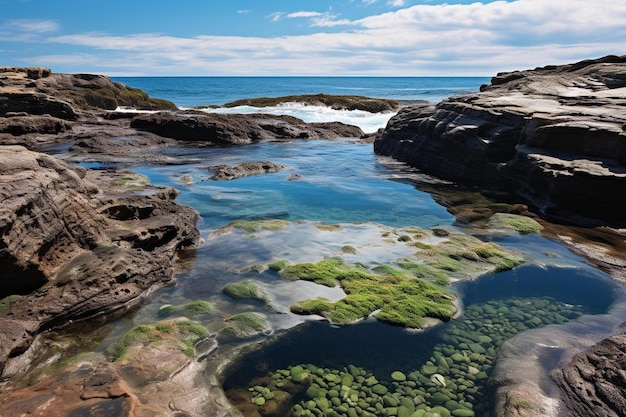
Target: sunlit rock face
555 135
71 249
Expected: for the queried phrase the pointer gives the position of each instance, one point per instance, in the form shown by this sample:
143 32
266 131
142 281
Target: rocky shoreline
95 243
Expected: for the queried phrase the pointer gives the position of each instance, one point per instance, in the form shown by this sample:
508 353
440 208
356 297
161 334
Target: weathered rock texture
556 136
70 249
244 169
94 390
594 382
239 129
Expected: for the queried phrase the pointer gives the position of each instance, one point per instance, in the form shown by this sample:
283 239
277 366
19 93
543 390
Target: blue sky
297 37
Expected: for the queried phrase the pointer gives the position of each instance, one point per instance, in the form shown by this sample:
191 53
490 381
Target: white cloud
31 25
396 3
247 11
304 14
473 39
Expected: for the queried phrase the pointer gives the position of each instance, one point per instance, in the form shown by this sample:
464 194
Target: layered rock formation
238 129
71 249
555 136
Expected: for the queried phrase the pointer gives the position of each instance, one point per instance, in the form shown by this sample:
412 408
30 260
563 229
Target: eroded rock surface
555 135
71 249
594 382
95 390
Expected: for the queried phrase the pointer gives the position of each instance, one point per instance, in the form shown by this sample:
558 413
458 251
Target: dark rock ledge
555 136
75 244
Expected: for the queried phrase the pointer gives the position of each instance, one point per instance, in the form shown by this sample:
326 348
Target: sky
312 37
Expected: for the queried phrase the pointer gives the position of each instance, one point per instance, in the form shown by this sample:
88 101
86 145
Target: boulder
71 249
238 129
555 136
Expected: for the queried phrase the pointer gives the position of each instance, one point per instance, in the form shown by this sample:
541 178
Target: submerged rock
244 169
553 135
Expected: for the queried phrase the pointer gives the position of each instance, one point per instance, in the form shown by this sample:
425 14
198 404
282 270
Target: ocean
187 92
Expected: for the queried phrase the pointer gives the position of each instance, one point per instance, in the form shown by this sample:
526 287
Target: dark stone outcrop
238 129
555 136
372 105
76 243
594 382
244 169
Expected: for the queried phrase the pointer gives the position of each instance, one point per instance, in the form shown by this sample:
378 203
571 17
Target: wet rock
90 389
594 382
244 169
545 133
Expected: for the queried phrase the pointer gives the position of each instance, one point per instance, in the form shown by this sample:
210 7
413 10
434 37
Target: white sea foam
368 122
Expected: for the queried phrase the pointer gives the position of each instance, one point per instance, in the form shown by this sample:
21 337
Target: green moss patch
180 335
192 310
521 224
400 299
327 227
245 290
244 325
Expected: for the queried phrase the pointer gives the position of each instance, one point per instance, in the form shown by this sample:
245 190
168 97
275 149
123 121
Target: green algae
245 290
327 227
176 334
399 299
521 224
191 310
347 249
278 265
252 226
245 325
6 302
452 382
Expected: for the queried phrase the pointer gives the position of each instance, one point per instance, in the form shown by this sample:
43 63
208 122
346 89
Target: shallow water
344 183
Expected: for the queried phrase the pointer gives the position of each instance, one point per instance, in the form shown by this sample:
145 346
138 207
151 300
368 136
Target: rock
238 129
546 133
71 249
372 105
36 104
244 169
398 376
21 125
89 389
594 382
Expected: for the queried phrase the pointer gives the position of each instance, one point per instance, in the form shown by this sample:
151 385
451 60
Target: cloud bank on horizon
296 37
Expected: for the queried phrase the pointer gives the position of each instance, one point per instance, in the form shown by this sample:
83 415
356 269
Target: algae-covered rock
244 290
244 325
521 224
191 310
403 301
179 334
398 376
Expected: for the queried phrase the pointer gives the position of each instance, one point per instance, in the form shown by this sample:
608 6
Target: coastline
122 130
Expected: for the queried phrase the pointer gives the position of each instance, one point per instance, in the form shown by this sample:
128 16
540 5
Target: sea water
187 92
344 183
